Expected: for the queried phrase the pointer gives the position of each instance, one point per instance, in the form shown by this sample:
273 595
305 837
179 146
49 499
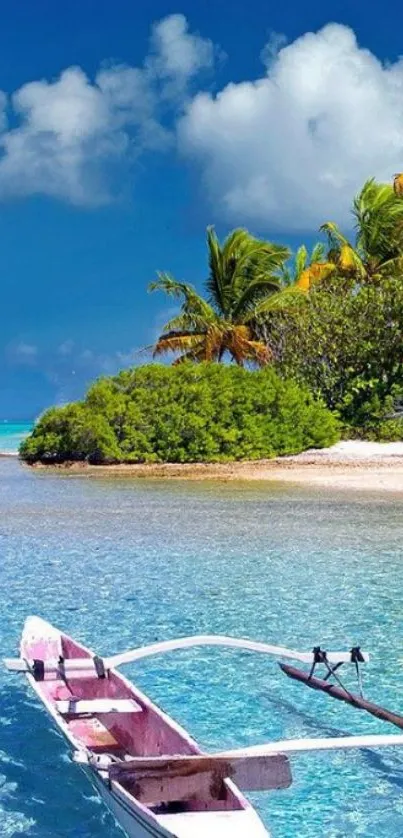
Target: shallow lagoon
12 434
121 563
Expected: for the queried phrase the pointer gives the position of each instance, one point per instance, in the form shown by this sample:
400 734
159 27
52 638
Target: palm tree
244 272
378 249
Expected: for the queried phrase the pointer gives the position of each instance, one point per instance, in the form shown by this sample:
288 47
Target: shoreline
315 469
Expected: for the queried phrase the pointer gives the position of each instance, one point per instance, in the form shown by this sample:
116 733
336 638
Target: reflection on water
120 563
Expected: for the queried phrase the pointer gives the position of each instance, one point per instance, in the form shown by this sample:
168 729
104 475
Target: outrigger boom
102 665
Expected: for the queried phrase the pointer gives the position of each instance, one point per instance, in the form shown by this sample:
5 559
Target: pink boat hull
146 732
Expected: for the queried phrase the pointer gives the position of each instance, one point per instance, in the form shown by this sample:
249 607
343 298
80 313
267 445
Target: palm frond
379 221
244 272
192 301
196 355
236 243
286 298
213 342
259 352
314 273
176 342
256 274
318 252
235 252
215 284
242 347
261 287
171 286
236 263
188 322
301 260
261 257
334 235
350 261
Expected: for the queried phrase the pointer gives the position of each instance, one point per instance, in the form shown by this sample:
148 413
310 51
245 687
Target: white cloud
178 55
71 132
22 353
290 149
66 129
285 151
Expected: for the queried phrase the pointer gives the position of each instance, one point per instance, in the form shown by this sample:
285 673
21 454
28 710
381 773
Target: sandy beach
365 466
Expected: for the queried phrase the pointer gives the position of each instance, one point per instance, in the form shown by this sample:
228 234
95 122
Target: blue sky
129 126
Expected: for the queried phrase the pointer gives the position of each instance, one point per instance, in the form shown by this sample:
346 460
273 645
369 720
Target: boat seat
77 706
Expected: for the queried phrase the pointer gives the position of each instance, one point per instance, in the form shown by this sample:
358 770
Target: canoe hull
241 824
144 733
130 817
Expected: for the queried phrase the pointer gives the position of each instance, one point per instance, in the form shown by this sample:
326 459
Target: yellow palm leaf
259 352
398 185
349 261
176 343
313 274
346 258
213 342
242 348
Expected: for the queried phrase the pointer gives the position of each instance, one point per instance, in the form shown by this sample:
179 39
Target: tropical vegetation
331 319
316 342
244 274
185 413
378 249
347 348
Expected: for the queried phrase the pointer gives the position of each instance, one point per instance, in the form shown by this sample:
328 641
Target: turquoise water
11 436
122 563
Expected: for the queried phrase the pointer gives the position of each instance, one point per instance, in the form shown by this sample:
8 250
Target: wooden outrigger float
342 694
147 769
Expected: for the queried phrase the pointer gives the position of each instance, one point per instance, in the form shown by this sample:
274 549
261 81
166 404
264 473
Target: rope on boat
320 657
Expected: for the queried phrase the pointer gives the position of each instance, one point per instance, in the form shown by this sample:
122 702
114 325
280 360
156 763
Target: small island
280 356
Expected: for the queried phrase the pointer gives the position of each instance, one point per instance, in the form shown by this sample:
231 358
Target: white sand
355 449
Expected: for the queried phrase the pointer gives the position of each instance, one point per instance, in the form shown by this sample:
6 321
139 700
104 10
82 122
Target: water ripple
120 563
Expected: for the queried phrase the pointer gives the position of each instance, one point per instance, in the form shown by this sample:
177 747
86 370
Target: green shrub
72 432
187 413
344 342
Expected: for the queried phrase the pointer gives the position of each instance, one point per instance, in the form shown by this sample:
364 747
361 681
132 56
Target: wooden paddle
181 778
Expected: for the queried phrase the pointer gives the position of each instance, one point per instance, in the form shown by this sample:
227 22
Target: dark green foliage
71 433
345 343
188 413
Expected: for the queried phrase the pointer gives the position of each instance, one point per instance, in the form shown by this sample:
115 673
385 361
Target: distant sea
11 436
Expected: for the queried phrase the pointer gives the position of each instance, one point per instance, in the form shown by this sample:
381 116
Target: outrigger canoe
147 769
